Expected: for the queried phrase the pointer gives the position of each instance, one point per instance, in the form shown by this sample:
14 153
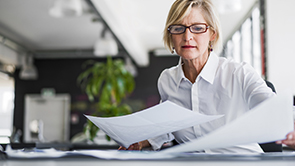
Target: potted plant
109 83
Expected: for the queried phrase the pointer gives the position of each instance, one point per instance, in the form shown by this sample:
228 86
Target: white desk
187 161
96 162
268 159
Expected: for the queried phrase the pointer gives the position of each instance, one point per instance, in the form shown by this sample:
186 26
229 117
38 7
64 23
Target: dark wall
61 74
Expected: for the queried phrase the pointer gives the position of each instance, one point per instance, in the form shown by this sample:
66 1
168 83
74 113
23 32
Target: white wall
281 44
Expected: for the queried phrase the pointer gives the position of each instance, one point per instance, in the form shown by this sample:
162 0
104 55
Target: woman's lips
188 46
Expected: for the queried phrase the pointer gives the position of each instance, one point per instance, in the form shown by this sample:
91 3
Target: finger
122 148
136 146
290 140
131 147
289 136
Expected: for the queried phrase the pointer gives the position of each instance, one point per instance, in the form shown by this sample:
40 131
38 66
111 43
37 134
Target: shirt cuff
157 142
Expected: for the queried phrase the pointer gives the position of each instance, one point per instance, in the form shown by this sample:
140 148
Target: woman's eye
197 28
178 29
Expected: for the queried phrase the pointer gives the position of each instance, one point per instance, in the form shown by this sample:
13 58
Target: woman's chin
189 57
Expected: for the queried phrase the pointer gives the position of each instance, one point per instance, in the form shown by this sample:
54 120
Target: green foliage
110 83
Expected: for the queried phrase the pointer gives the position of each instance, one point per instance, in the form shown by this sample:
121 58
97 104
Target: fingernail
290 136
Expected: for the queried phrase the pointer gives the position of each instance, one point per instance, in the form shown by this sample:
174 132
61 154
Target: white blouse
223 87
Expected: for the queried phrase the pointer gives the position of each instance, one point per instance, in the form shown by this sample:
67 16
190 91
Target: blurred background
43 45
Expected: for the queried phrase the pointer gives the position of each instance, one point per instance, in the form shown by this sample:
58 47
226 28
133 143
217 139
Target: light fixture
28 71
106 45
66 8
129 66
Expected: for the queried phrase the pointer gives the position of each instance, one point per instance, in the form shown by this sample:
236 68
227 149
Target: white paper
123 154
137 155
270 121
34 153
160 119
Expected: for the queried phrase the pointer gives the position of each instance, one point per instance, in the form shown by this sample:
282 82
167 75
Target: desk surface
95 162
268 159
204 160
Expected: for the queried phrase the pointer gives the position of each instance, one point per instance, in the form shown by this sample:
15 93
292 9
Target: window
245 43
6 107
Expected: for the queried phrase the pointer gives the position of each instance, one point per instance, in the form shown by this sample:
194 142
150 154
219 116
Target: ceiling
136 24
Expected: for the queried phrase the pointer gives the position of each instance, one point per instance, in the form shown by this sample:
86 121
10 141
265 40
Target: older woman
202 81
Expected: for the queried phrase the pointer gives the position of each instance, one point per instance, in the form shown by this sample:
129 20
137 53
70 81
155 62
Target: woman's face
190 45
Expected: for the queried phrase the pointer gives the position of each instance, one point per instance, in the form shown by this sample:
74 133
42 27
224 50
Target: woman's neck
192 67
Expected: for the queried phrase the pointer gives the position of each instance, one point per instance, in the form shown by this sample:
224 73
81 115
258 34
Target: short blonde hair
181 8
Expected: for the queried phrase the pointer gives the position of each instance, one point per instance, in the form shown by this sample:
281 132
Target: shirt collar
207 73
209 70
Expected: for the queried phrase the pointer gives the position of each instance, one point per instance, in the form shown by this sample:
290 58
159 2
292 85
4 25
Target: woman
202 81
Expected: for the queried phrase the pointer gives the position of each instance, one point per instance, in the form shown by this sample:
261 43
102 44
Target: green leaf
90 130
105 94
84 75
108 138
124 110
121 87
89 92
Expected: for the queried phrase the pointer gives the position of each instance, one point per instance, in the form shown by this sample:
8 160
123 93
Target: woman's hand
290 140
136 146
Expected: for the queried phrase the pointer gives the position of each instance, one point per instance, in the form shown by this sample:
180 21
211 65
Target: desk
204 160
268 159
98 162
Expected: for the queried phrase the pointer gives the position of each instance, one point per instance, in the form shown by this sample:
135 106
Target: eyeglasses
195 28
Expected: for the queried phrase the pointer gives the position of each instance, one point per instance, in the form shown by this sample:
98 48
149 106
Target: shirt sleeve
255 89
157 142
162 80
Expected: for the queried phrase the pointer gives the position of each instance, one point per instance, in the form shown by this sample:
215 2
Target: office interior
51 46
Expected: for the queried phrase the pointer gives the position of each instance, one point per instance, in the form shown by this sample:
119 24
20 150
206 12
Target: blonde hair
181 8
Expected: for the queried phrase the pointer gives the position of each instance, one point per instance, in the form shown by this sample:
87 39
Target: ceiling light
106 45
66 8
129 66
28 71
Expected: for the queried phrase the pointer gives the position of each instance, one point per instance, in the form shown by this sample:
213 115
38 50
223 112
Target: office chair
272 146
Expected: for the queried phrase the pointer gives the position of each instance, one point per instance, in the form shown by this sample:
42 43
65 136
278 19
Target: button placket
195 105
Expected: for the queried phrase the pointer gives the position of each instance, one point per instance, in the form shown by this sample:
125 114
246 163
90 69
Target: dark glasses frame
189 27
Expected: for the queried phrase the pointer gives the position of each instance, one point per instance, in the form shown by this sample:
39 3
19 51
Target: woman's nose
187 35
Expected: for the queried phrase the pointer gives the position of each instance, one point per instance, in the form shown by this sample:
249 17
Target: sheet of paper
123 154
139 155
270 121
157 120
34 153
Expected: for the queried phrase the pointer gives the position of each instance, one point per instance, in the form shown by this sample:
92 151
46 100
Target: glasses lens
198 28
176 29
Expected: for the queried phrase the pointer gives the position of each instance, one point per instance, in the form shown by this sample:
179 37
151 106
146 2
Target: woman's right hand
136 146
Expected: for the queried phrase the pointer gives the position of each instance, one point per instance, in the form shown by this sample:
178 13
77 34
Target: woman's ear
213 36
